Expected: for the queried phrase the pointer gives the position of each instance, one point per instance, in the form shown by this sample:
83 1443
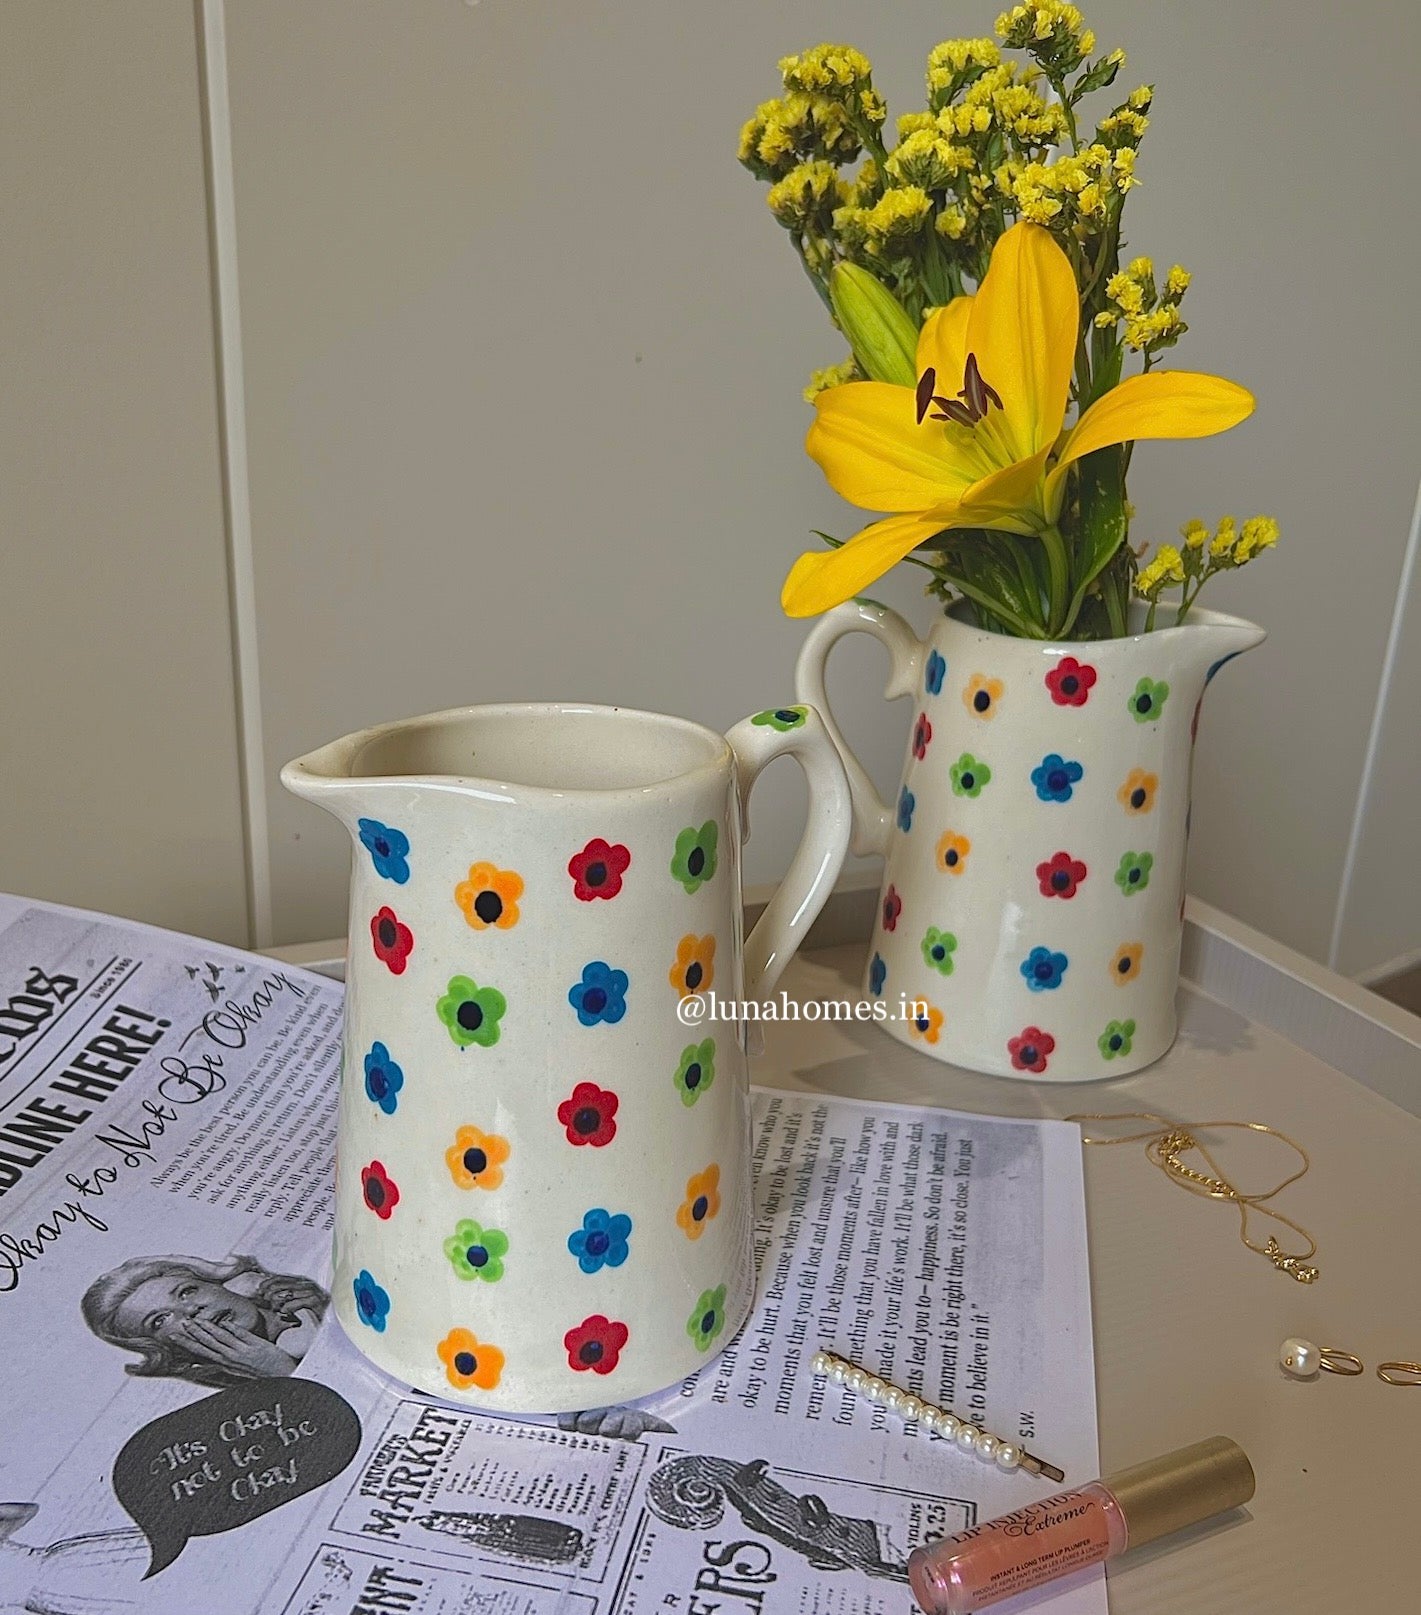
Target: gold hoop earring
1303 1360
1399 1373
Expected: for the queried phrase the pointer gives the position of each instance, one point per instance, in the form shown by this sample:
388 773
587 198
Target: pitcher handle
873 819
801 733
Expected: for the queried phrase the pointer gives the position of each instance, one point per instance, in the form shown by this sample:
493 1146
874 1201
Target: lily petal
822 579
867 442
1022 328
1164 403
1009 499
942 344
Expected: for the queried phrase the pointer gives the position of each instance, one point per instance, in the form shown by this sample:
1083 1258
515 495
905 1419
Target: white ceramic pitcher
1033 882
543 1191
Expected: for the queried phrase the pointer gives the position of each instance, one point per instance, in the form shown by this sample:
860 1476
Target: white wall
523 351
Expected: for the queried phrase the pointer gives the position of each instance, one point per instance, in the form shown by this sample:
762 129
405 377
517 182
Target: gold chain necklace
1169 1142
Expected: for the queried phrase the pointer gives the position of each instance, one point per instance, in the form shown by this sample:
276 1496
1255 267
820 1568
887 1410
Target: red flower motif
1029 1051
922 734
381 1192
1070 681
597 870
1060 875
590 1116
892 908
393 940
596 1344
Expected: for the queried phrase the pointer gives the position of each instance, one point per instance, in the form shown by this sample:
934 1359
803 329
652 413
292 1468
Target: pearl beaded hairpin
963 1434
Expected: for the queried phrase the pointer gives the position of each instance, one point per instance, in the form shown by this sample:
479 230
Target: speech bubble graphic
220 1463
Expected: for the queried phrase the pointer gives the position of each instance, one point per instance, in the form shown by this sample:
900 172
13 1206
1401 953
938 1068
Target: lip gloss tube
1084 1526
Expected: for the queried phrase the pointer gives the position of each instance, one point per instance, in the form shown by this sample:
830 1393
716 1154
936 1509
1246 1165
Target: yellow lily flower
979 441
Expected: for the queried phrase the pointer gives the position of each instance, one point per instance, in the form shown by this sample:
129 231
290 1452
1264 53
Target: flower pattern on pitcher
394 941
471 1013
379 1190
1060 876
596 1344
602 1241
1032 1050
693 862
707 1317
383 1079
469 1361
982 695
1133 875
1125 966
489 897
476 1252
877 975
927 1023
388 849
702 1202
969 775
597 870
1116 1039
476 1159
933 673
906 803
1147 701
1137 794
372 1304
589 1115
938 949
781 718
1070 682
1043 971
696 1071
1056 777
922 735
601 995
952 850
694 969
892 908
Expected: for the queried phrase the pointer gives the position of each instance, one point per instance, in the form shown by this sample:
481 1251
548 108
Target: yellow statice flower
1020 110
834 375
1176 283
928 160
892 222
956 56
807 194
1221 546
1140 100
866 186
951 222
1126 125
912 123
793 129
826 69
1160 328
1195 534
1259 533
1039 19
1166 568
1126 293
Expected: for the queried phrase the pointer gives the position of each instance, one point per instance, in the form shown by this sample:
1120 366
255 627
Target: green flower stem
1018 625
1060 567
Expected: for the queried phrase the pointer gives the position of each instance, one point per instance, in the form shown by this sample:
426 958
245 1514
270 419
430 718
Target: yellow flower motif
694 970
926 1026
475 1160
702 1202
1137 794
952 850
982 695
470 1361
490 897
835 375
990 451
1125 966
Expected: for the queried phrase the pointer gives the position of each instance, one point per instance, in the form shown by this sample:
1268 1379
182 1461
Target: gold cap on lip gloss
1181 1488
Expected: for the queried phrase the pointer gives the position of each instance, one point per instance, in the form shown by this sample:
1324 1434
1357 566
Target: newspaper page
167 1114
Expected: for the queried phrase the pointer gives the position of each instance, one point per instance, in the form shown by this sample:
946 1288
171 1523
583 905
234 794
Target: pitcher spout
1222 638
327 777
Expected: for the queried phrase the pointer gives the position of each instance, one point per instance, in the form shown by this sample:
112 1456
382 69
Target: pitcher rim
1199 617
323 765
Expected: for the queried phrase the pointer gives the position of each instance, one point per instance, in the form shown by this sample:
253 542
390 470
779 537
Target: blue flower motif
371 1302
906 803
1055 777
877 975
387 848
601 995
601 1241
932 676
1043 969
383 1078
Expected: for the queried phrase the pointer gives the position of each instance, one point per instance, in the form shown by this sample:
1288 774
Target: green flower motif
938 948
1147 703
694 863
1115 1039
969 775
696 1071
782 718
707 1317
471 1012
1133 874
477 1253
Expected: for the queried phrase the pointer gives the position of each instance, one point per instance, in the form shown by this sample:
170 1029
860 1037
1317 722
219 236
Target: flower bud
880 330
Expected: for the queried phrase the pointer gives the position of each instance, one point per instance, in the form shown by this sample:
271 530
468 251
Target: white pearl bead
1300 1358
893 1399
855 1379
819 1362
967 1437
987 1445
912 1407
1008 1456
931 1417
948 1425
837 1372
874 1388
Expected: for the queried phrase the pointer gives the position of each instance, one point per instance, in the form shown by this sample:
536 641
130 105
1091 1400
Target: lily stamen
976 394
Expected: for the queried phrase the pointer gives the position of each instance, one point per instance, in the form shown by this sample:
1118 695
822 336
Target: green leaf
1096 77
1102 521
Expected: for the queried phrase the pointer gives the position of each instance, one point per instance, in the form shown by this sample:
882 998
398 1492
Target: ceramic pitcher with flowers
1033 884
543 1192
